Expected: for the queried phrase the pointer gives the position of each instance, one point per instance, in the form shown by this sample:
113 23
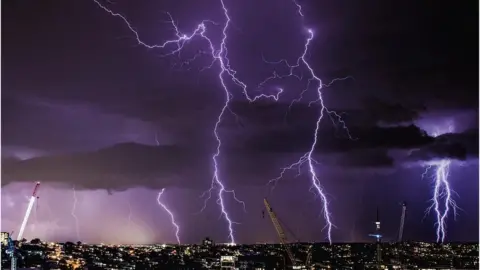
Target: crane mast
308 261
29 210
11 252
279 229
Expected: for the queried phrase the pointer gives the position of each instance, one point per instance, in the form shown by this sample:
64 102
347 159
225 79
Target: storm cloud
134 165
459 146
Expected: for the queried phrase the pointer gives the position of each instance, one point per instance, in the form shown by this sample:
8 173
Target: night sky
87 108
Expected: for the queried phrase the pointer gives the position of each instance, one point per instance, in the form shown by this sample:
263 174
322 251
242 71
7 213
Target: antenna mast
402 222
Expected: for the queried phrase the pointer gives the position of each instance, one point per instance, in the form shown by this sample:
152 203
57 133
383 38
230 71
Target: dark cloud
118 167
54 126
178 118
129 165
376 158
9 161
258 139
460 146
291 140
392 113
134 165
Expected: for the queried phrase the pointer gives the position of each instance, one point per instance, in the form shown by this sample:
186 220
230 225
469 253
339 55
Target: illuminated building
4 238
227 262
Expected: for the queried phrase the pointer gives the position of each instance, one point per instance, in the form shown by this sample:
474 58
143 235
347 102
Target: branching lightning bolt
172 218
442 197
219 53
74 207
307 158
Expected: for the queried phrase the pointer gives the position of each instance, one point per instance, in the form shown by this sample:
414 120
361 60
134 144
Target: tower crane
280 232
29 210
11 252
284 241
308 261
400 234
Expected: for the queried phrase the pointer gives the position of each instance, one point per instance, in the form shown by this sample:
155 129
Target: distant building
207 242
227 262
4 238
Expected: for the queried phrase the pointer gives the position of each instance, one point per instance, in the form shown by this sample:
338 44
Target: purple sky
74 81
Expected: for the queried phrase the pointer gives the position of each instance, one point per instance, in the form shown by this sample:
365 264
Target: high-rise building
4 238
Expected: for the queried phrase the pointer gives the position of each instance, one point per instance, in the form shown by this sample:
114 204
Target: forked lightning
218 51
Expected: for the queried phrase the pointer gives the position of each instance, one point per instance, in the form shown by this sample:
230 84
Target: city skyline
125 138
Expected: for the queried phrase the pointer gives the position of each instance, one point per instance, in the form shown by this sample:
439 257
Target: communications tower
378 238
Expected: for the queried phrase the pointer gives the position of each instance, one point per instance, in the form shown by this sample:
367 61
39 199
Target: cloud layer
129 165
459 146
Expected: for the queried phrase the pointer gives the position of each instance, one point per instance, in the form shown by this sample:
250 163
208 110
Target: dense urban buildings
41 255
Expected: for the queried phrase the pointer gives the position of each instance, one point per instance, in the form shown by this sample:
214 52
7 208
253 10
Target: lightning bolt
172 217
53 222
74 207
442 197
130 215
219 52
307 158
219 56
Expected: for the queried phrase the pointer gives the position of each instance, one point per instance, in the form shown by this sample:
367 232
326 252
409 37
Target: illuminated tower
378 238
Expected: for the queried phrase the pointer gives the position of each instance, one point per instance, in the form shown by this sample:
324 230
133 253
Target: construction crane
402 222
284 241
280 232
400 236
11 252
29 210
308 261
